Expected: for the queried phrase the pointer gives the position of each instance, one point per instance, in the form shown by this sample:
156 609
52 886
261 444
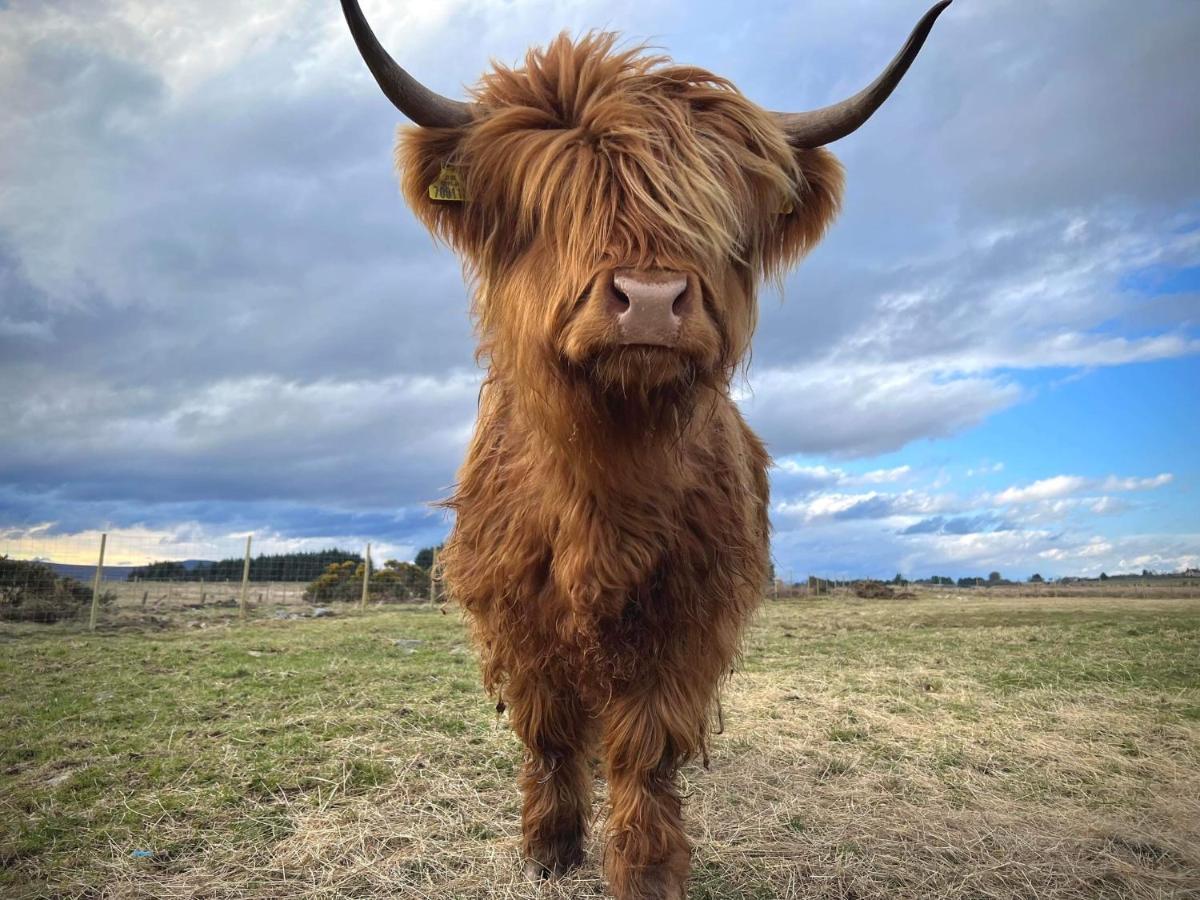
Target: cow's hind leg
646 735
556 780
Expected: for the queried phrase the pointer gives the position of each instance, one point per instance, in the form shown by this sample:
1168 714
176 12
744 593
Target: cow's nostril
621 299
682 303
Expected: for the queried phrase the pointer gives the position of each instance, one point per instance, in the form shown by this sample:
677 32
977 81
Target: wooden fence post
245 578
96 584
362 604
433 579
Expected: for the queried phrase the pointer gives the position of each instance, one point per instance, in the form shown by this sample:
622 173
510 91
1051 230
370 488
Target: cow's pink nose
650 305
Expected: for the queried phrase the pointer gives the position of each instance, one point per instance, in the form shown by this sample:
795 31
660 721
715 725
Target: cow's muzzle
650 306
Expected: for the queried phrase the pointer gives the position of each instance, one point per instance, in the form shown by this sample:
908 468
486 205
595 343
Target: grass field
965 746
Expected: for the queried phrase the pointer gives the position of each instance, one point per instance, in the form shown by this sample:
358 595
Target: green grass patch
260 750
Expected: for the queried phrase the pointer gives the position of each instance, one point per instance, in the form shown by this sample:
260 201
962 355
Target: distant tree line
264 567
993 579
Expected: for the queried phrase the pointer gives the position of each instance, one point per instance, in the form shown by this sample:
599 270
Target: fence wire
100 578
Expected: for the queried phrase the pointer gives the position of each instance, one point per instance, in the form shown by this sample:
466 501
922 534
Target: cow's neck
606 448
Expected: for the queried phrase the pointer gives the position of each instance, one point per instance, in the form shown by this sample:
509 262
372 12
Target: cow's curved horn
407 94
830 123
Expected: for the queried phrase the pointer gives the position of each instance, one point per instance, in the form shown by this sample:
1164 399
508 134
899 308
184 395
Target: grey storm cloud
212 295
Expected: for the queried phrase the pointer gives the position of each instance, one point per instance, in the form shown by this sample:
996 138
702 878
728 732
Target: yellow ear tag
448 186
786 206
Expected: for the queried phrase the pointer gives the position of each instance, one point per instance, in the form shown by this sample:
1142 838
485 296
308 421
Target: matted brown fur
611 533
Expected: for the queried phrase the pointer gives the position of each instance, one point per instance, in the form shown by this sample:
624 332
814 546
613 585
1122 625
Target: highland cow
617 213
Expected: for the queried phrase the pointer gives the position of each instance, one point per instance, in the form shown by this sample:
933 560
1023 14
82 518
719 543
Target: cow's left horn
830 123
412 98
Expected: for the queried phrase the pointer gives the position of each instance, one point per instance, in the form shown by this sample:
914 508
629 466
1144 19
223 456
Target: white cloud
883 476
1046 526
1046 489
854 548
1113 483
138 545
797 472
869 505
981 549
1092 549
985 469
851 411
1060 486
798 476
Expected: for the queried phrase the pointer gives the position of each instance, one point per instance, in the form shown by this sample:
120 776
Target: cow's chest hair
626 573
606 536
599 563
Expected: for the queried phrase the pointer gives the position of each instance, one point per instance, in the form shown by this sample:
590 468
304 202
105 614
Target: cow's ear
801 221
435 179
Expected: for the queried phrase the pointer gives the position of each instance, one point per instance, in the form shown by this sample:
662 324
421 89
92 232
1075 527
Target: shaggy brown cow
617 213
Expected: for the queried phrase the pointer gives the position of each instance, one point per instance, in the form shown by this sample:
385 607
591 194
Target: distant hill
87 573
111 573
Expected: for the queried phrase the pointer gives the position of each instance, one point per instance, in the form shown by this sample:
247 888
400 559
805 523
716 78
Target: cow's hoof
658 885
651 887
657 881
535 871
553 861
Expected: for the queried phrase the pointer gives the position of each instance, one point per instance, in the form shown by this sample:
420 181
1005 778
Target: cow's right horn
419 103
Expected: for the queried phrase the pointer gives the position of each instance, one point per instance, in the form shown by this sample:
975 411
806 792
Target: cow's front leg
556 779
646 736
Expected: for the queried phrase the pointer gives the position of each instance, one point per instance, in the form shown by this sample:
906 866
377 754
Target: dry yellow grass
950 746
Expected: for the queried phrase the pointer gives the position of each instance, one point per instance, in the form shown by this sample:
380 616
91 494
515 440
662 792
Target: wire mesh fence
130 576
98 579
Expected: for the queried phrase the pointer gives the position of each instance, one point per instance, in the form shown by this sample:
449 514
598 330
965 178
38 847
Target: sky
217 317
